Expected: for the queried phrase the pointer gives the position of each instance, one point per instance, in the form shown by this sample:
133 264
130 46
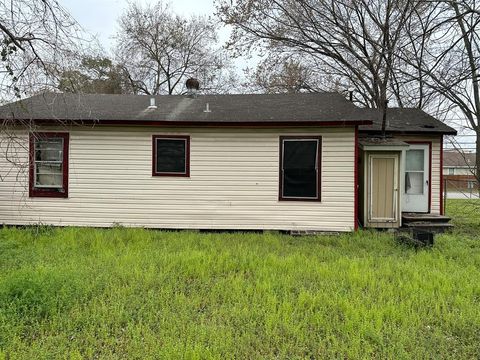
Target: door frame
396 186
429 143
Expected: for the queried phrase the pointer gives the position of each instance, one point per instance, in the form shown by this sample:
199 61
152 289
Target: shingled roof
455 158
407 120
326 108
278 108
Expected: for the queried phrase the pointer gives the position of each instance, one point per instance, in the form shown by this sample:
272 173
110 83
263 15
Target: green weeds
138 294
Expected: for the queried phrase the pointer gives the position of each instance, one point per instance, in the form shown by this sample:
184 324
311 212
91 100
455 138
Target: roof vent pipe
152 103
207 108
350 93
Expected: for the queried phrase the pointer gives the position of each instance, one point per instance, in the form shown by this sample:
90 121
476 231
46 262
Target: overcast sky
99 17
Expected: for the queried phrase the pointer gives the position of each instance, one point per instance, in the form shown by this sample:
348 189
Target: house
284 161
459 170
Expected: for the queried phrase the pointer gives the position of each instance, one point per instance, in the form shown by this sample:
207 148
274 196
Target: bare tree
412 52
37 37
356 42
282 74
464 91
449 62
160 50
95 75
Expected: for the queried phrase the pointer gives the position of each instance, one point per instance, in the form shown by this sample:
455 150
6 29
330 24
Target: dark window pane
300 183
299 154
171 156
300 168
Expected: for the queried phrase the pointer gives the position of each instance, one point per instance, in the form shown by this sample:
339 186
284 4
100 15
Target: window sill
47 193
171 175
300 199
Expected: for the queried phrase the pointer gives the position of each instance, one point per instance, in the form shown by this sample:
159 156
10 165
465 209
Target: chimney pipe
193 85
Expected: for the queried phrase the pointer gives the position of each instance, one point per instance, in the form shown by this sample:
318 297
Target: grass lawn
137 294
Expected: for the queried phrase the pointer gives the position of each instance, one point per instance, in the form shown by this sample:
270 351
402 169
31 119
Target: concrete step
436 227
414 217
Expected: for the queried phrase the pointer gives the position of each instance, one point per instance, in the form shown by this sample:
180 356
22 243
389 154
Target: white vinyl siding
233 183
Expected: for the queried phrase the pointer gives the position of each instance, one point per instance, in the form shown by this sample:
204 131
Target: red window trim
319 172
187 155
48 192
429 143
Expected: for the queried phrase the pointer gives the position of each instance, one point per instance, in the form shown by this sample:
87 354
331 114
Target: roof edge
205 123
412 132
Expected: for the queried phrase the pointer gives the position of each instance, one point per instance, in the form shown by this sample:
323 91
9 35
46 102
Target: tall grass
137 294
466 215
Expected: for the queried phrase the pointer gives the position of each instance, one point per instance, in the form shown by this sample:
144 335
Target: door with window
417 178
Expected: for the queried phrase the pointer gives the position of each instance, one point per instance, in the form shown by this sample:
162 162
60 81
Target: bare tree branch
160 50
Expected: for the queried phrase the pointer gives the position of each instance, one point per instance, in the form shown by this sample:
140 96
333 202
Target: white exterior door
417 178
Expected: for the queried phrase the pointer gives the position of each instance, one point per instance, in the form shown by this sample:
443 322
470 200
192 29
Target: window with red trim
300 168
171 155
48 164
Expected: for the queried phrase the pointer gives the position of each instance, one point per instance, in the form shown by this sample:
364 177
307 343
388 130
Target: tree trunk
383 108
